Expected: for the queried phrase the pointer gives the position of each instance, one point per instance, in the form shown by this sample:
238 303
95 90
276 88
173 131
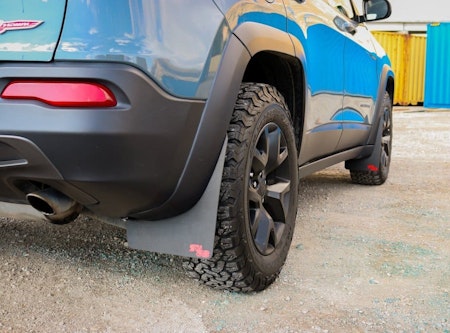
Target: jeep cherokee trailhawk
189 122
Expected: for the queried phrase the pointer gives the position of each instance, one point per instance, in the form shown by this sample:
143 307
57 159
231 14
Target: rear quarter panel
37 43
177 43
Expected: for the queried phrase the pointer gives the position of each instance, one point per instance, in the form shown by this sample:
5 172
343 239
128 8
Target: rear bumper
123 161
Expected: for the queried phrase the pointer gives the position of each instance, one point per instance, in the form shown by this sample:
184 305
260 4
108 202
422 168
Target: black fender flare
386 74
247 40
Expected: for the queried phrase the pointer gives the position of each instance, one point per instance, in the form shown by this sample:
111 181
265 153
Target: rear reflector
61 93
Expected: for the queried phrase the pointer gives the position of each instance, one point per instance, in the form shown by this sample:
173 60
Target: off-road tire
379 173
258 196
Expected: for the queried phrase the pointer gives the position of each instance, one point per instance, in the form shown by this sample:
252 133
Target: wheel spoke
263 231
276 153
277 200
255 218
268 216
386 144
384 159
260 159
278 232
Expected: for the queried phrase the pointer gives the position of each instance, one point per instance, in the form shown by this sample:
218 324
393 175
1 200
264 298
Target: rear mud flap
190 234
371 162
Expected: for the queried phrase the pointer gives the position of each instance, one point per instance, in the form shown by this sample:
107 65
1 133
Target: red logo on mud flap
199 251
18 25
372 167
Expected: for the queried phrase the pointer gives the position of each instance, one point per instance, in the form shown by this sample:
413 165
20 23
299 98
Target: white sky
420 11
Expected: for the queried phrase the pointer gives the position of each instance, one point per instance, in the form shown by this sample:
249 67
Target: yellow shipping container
407 53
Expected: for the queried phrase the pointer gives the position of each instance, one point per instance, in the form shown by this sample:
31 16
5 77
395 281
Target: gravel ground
363 259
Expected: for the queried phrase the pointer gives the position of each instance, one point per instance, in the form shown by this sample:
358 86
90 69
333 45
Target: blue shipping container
437 72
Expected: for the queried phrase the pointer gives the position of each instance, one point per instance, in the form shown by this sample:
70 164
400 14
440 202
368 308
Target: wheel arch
277 62
386 85
254 52
390 87
285 73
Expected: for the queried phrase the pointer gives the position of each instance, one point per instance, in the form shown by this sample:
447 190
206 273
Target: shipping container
408 56
437 77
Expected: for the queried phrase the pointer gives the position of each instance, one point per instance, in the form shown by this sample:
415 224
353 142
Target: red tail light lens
61 93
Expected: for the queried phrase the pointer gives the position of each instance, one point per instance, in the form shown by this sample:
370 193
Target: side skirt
326 162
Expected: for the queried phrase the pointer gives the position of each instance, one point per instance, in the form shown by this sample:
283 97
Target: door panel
310 24
361 87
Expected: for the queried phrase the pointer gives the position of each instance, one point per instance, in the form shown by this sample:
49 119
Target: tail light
61 93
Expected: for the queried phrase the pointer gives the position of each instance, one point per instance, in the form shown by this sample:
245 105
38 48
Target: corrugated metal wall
437 81
408 55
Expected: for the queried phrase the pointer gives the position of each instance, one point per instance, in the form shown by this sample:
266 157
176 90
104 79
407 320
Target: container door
437 75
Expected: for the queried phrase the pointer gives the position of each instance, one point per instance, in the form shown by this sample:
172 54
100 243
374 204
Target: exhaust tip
54 205
40 204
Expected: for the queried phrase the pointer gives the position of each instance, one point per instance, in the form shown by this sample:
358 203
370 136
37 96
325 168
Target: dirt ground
363 259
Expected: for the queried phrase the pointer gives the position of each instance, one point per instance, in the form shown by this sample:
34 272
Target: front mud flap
190 234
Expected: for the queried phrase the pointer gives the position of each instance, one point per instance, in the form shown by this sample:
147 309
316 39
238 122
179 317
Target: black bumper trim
126 159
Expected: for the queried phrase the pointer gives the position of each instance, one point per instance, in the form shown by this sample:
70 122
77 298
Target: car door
360 79
321 44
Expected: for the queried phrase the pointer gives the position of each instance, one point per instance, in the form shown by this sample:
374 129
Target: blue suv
189 122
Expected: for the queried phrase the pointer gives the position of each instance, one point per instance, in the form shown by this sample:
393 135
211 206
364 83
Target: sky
419 11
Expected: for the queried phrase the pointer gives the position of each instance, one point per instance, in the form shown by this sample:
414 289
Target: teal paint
437 72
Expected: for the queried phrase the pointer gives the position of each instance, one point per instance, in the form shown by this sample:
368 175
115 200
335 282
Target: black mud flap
190 234
371 162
